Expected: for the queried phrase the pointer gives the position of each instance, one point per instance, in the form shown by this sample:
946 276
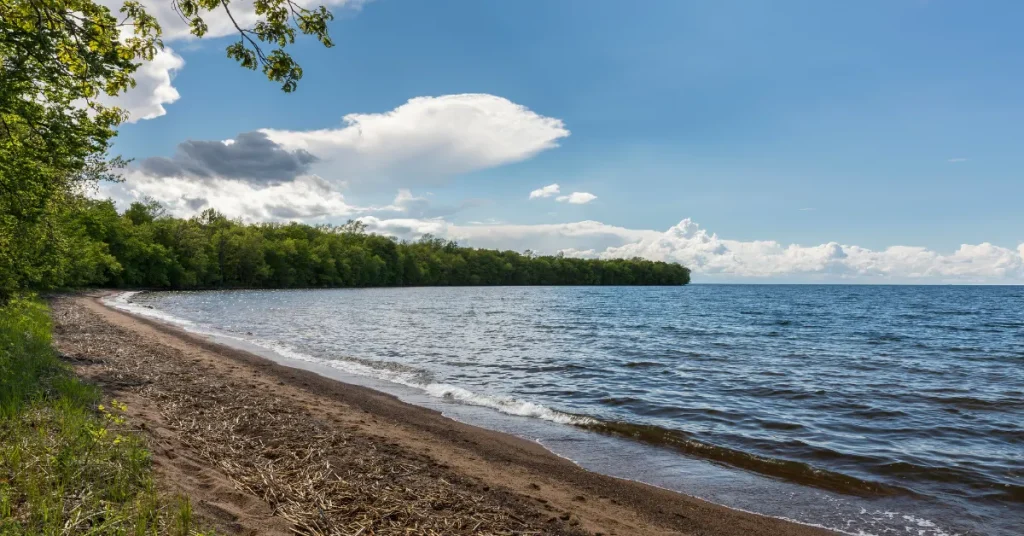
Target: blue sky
872 124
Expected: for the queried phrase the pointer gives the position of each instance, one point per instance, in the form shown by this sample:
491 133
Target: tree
58 58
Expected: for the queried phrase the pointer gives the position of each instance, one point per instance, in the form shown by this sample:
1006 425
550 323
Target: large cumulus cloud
427 140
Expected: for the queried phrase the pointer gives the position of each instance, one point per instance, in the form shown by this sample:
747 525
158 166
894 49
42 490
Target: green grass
68 464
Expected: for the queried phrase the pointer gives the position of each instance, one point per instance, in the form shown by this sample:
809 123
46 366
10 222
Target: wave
381 370
125 301
1002 404
681 441
507 405
420 380
643 364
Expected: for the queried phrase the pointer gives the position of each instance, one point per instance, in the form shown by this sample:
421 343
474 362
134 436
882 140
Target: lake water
876 409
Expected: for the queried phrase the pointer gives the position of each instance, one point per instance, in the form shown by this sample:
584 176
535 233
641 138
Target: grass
69 464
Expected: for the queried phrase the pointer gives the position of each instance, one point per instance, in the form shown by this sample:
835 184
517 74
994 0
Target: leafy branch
280 22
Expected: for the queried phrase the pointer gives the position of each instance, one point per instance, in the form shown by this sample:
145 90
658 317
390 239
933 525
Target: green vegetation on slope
142 248
67 464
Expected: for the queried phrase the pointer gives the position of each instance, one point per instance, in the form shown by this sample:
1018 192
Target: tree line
143 248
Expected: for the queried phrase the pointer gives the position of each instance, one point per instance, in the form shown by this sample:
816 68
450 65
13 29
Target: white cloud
307 198
956 160
706 253
404 198
538 237
576 198
409 204
546 191
412 206
575 253
152 89
427 140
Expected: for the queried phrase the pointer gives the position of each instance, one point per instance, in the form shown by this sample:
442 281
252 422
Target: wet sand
262 448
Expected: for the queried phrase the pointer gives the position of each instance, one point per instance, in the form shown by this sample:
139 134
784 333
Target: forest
143 248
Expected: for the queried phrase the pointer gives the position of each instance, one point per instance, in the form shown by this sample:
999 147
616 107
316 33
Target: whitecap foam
508 405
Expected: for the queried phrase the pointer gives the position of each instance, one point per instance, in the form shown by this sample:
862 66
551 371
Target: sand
263 448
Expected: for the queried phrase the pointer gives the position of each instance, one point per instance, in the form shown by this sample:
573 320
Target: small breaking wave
125 301
419 379
507 405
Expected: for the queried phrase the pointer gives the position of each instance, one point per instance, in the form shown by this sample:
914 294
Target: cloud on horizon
306 198
708 254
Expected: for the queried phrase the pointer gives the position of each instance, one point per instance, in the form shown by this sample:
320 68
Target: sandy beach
262 448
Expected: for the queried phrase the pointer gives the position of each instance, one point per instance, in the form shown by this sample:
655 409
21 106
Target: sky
753 141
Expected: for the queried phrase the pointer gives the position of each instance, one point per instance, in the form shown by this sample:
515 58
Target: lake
871 409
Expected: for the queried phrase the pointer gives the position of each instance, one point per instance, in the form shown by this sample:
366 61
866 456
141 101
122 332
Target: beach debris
325 479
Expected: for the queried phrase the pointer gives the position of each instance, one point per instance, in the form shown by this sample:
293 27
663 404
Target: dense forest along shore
145 248
263 448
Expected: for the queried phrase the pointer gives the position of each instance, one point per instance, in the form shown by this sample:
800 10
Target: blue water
887 393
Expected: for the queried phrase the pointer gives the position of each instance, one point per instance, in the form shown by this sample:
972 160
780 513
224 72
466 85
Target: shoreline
545 492
790 472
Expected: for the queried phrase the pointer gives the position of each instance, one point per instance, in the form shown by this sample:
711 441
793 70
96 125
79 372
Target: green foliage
279 23
145 248
67 465
58 59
